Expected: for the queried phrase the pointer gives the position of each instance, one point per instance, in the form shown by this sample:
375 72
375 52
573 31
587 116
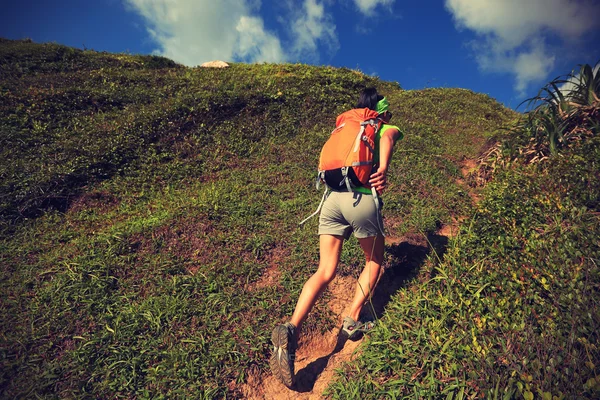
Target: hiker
345 209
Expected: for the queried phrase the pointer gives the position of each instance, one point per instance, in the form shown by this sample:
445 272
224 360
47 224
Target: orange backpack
346 159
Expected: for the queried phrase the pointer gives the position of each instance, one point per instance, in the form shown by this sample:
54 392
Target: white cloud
312 25
514 35
255 44
194 31
368 7
530 66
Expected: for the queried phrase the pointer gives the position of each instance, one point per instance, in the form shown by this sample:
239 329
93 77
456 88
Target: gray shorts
347 212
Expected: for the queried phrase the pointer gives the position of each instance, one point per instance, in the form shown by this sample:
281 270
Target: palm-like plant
586 91
565 110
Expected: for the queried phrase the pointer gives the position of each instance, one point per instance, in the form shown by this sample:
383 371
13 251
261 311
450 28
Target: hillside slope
149 219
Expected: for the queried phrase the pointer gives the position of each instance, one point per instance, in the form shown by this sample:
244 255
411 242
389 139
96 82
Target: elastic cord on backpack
318 208
378 208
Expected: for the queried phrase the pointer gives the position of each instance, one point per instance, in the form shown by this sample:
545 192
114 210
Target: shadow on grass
404 263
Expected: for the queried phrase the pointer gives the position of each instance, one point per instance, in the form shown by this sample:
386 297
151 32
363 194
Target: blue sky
507 49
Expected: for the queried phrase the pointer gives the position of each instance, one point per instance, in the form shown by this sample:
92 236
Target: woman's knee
325 275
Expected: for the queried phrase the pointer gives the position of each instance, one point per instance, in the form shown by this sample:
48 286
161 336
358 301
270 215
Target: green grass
144 204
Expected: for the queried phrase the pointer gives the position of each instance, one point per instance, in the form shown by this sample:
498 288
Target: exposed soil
272 273
317 357
467 168
451 229
99 201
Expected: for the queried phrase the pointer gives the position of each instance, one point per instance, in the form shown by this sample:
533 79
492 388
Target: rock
215 64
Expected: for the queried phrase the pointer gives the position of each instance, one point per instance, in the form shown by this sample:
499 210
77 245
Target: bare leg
330 250
373 249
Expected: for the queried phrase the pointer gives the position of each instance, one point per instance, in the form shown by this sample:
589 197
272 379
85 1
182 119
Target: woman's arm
378 179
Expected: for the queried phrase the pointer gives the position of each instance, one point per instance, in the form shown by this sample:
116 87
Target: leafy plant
563 111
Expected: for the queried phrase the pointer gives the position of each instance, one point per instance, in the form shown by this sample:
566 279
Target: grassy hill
150 241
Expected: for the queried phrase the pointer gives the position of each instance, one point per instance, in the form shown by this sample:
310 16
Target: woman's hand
378 179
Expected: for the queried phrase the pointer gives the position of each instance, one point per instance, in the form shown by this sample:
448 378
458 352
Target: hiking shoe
354 330
284 353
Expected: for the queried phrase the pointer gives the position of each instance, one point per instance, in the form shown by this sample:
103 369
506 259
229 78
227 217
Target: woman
343 213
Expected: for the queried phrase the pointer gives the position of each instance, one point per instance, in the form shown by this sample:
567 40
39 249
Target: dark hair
369 99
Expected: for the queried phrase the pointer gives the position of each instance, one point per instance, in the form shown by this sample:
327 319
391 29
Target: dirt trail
320 355
316 359
467 167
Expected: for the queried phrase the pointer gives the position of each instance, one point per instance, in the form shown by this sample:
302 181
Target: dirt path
316 359
468 167
320 355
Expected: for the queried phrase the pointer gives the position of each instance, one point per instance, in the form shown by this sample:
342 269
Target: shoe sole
280 365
